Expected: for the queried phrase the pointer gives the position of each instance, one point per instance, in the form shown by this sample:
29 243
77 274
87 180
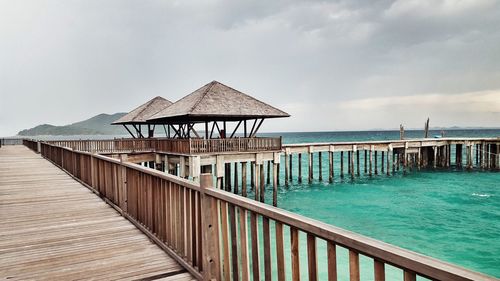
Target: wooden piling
300 168
366 162
275 184
256 181
268 175
352 161
310 165
434 161
349 162
388 161
393 161
330 167
357 163
252 174
287 169
371 160
320 166
341 164
291 167
235 184
382 162
376 163
262 184
244 179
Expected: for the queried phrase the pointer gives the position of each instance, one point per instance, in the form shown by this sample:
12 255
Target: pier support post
393 161
348 162
291 167
278 172
244 179
330 166
419 158
366 162
497 157
275 178
320 166
310 157
235 175
434 160
458 155
195 167
287 167
262 184
405 160
469 155
219 171
357 163
252 174
388 165
256 181
300 168
371 159
382 162
268 176
341 164
227 177
376 163
352 160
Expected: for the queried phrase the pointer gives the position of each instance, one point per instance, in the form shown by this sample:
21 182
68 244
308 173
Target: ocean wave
481 195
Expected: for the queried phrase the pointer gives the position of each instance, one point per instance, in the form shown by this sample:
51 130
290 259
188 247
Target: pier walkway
53 228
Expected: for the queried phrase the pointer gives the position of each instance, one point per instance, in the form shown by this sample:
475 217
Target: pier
242 164
214 234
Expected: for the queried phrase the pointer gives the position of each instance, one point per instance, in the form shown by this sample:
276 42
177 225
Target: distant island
97 125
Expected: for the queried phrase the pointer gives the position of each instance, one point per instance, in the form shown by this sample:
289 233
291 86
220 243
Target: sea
449 214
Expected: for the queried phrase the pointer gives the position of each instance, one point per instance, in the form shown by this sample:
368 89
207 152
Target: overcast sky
333 65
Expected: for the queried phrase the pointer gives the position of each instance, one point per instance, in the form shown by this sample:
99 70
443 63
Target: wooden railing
10 141
235 145
181 146
217 235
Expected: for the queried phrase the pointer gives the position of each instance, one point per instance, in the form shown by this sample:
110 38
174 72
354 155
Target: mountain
97 125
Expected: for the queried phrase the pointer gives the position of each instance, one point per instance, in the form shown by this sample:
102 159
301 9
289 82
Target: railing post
210 230
123 183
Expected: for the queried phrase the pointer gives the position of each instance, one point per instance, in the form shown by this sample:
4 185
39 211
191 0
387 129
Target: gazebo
214 105
138 117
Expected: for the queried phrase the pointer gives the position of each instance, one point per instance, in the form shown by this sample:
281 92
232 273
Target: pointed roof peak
144 111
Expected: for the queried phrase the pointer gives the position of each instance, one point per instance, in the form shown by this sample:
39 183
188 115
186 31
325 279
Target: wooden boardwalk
54 228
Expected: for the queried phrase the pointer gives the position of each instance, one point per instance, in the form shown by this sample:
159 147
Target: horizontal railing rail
10 141
219 235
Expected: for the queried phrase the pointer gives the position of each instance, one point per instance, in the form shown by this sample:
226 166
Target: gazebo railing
181 146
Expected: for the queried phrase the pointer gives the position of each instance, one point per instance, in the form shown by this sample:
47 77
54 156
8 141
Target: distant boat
437 136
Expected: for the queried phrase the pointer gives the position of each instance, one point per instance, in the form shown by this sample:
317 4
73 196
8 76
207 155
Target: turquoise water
449 214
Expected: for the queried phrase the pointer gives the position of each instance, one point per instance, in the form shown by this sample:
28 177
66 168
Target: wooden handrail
383 252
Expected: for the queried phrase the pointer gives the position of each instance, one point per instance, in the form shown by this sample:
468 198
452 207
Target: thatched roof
143 112
216 102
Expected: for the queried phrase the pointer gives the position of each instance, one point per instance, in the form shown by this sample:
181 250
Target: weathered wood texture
54 228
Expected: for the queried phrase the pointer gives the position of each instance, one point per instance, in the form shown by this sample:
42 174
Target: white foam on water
481 195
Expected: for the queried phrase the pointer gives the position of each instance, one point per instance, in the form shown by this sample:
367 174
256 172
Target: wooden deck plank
54 228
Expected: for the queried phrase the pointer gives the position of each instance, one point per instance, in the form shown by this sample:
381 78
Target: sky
332 65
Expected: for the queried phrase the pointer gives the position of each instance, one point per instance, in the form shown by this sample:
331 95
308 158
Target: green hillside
97 125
